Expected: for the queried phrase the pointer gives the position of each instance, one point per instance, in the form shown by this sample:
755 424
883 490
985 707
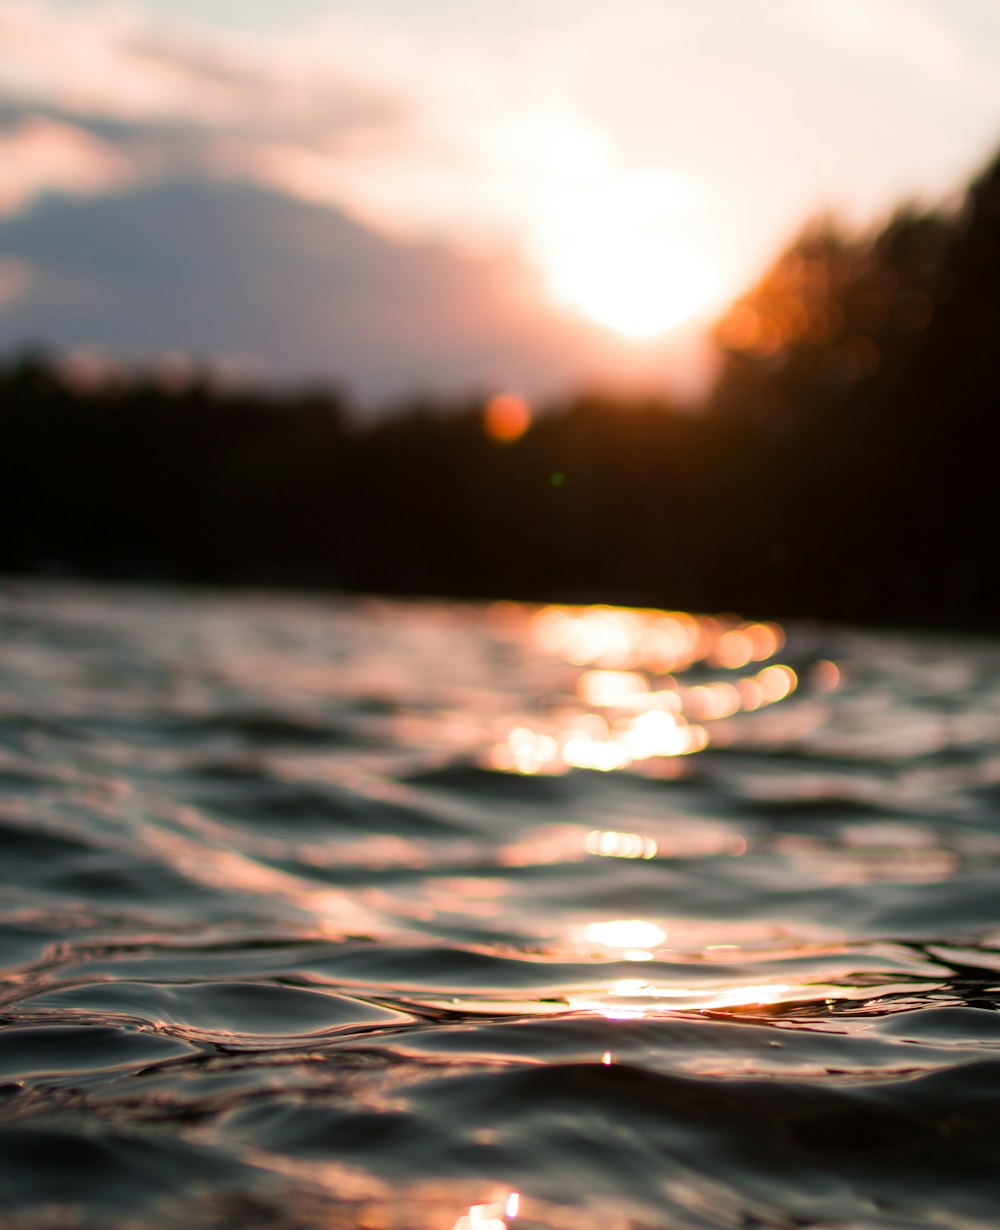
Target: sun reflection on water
628 705
493 1216
611 844
632 999
625 933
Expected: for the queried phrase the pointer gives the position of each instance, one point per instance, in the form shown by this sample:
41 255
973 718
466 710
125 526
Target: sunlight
623 652
625 252
493 1216
632 999
625 933
611 844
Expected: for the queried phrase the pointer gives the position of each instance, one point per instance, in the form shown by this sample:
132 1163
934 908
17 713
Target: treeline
844 466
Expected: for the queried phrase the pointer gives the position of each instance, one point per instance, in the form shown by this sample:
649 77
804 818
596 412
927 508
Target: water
314 916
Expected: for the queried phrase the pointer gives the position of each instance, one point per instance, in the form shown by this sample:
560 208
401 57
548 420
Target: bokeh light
506 417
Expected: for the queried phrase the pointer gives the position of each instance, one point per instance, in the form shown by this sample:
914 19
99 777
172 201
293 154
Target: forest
842 467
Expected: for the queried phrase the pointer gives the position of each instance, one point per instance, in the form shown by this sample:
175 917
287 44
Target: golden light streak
527 751
733 649
604 756
604 688
767 640
625 933
493 1216
480 1217
709 702
602 636
747 643
736 997
629 999
615 638
777 682
655 734
751 694
621 651
611 844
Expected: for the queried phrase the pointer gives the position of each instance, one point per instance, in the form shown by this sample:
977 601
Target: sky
427 196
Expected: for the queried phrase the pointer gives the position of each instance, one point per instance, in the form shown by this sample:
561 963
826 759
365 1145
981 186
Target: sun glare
626 253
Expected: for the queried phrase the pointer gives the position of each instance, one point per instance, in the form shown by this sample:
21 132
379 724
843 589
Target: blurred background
685 305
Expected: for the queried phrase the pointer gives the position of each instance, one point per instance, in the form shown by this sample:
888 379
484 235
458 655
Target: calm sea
325 913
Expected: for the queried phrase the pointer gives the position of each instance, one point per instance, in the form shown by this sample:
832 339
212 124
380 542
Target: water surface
343 913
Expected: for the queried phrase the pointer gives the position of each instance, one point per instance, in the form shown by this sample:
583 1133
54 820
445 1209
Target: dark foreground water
340 914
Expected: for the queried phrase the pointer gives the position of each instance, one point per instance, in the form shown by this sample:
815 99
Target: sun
627 254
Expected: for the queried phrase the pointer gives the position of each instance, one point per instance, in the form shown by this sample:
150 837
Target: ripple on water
314 916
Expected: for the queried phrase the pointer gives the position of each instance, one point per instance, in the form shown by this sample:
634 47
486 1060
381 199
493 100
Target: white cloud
420 136
88 60
114 61
894 33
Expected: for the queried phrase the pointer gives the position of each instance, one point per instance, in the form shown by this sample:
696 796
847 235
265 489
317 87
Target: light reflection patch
604 689
610 844
494 1216
629 999
527 751
630 708
625 933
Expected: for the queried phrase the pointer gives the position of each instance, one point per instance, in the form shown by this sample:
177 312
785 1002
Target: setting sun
627 254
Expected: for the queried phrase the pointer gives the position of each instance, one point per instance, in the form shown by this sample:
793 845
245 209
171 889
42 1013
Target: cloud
448 151
230 268
421 135
40 155
89 60
116 61
477 135
895 34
